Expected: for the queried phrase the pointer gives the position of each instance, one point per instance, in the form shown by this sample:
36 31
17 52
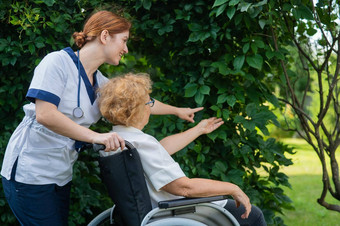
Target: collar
120 128
91 90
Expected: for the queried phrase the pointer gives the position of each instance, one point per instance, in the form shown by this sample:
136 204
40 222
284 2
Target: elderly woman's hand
241 198
209 125
187 114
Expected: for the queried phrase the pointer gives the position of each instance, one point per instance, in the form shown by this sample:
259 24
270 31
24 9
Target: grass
305 178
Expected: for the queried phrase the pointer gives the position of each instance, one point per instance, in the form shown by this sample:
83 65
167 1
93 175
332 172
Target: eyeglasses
151 102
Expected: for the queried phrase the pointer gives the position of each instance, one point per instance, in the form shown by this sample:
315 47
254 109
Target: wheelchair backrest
123 177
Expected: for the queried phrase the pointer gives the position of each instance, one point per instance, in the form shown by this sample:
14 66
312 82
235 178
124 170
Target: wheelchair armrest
188 201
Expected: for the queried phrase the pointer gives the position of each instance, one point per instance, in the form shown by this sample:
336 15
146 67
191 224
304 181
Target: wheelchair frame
184 211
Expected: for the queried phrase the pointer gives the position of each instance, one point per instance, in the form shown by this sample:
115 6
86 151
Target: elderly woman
126 103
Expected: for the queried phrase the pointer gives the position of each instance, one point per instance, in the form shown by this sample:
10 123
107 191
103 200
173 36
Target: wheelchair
123 176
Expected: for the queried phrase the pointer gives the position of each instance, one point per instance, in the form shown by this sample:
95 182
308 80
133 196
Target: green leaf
236 176
199 97
311 31
231 100
195 27
263 2
268 155
212 135
262 23
3 44
39 45
251 109
253 46
49 2
259 43
198 147
218 113
246 48
4 61
244 6
205 89
225 114
220 10
219 2
305 12
193 37
270 54
214 108
221 98
190 90
31 48
13 60
234 2
231 12
239 119
221 166
147 4
222 67
287 7
255 61
238 62
249 124
222 135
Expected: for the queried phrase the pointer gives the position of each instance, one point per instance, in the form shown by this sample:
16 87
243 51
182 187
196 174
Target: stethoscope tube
78 112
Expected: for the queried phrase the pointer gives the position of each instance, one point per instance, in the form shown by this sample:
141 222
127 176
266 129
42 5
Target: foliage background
214 54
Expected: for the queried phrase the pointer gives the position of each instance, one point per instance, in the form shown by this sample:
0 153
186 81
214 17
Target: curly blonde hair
122 98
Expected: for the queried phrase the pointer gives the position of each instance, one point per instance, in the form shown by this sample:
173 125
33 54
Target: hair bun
79 38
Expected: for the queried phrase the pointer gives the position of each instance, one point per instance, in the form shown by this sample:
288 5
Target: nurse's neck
90 59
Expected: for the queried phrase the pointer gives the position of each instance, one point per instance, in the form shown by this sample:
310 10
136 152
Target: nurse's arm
199 187
48 115
184 113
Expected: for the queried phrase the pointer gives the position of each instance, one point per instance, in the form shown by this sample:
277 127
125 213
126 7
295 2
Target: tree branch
317 20
331 88
291 32
305 67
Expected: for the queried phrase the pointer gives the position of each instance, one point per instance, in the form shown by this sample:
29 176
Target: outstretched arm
184 113
178 141
199 187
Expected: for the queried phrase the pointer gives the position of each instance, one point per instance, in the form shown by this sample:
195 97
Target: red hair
102 20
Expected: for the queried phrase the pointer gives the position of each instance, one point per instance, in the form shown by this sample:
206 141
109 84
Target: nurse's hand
187 114
112 141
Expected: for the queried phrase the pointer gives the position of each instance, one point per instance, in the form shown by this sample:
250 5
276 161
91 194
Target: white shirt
44 156
159 167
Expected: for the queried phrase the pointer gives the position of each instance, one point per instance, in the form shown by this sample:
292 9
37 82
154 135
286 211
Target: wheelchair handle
100 147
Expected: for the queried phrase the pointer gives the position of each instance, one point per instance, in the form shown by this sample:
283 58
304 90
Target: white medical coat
45 157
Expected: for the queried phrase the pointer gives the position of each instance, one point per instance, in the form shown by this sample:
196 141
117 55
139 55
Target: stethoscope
77 111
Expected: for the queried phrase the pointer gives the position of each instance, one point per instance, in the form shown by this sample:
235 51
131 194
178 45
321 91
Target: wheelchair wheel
176 221
103 219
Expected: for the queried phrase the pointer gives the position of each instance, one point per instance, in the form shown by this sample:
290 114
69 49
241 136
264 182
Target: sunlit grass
305 178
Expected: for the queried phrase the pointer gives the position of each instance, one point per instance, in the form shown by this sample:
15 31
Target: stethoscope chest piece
78 112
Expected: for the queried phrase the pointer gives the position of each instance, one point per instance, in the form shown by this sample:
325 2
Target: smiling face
116 47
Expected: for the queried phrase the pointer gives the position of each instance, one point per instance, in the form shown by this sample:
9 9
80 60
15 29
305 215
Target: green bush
199 53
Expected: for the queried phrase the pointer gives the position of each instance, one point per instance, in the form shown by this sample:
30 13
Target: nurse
37 167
